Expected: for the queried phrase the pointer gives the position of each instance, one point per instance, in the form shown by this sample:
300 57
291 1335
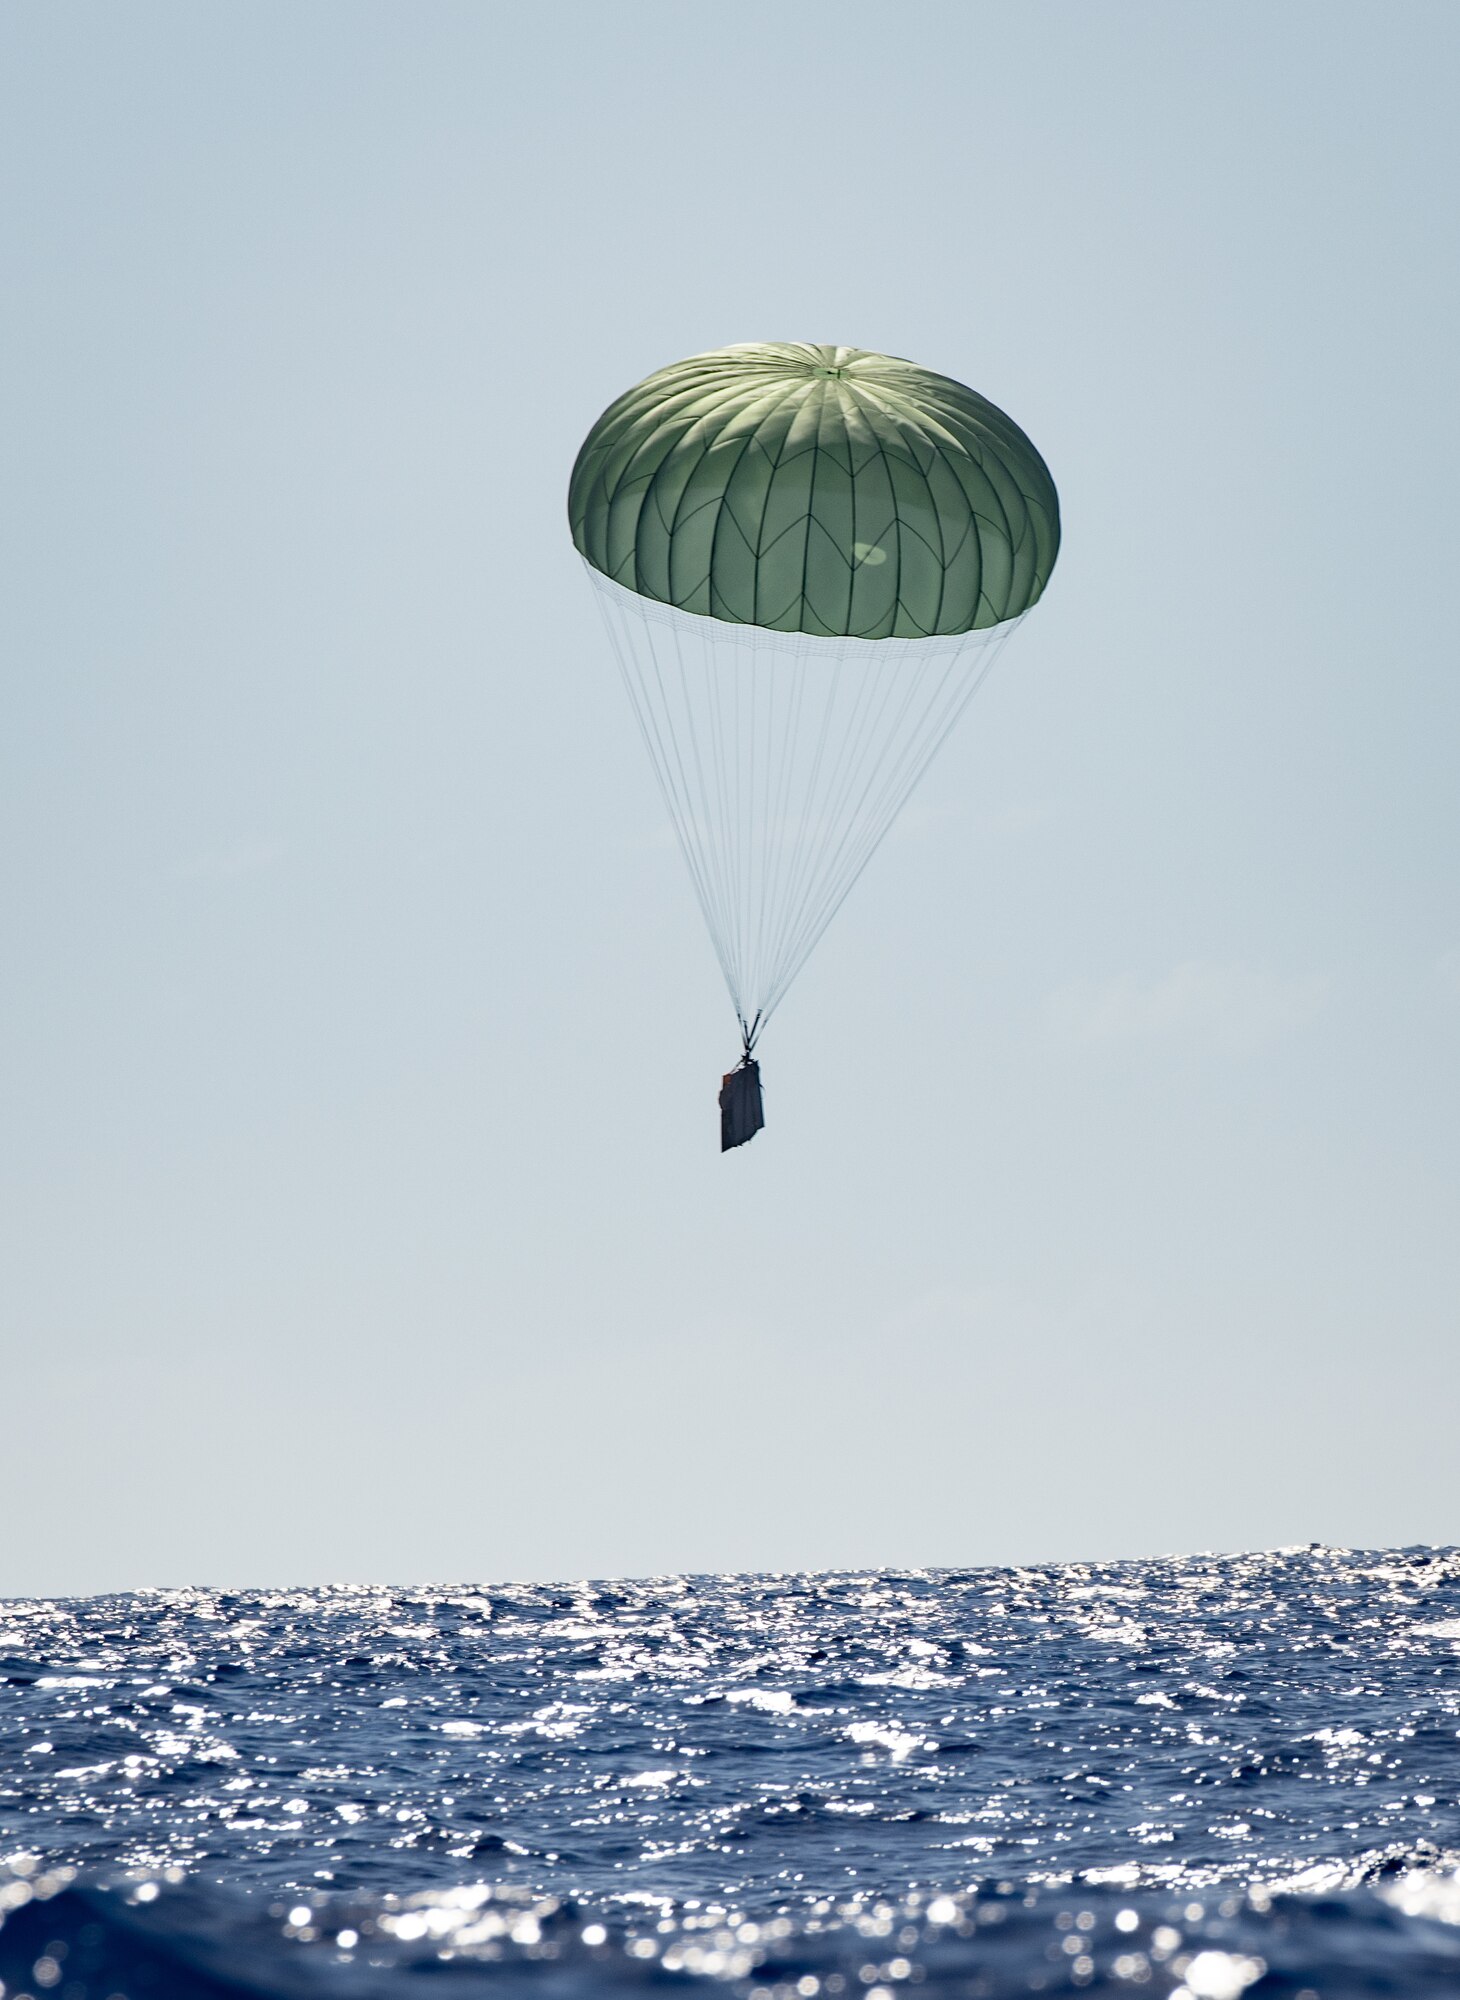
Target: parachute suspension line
803 822
724 688
823 884
664 756
778 804
714 805
862 826
708 790
740 748
894 792
783 760
863 726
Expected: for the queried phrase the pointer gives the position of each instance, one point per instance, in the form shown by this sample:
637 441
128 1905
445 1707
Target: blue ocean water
1207 1778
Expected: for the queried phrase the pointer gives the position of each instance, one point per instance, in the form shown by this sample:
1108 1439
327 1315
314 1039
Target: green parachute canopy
824 490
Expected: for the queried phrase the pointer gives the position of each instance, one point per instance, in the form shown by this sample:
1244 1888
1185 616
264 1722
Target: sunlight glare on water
1192 1778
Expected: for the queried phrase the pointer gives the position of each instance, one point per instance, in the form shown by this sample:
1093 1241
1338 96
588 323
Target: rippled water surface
1208 1777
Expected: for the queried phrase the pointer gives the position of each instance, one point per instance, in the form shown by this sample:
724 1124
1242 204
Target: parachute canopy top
820 490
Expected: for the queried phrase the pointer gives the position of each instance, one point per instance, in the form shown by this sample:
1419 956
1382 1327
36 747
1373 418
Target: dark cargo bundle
741 1114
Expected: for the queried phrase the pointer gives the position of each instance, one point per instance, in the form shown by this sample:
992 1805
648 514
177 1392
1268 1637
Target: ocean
1208 1777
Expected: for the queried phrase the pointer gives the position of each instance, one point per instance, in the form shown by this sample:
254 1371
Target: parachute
807 558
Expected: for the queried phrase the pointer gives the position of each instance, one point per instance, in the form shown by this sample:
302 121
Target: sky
361 1212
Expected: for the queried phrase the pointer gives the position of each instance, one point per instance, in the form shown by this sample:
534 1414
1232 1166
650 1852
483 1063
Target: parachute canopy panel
816 489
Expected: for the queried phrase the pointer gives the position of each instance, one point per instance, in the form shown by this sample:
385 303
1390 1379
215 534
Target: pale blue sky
360 1212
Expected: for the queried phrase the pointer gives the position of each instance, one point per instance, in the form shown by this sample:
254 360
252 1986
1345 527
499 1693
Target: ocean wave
151 1940
1159 1776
